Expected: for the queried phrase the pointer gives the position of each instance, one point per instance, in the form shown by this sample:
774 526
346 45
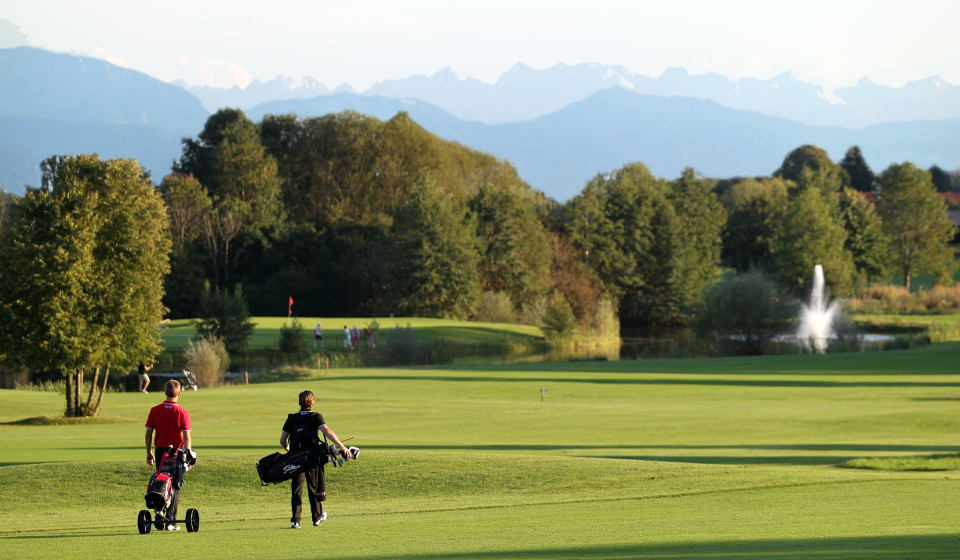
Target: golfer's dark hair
306 400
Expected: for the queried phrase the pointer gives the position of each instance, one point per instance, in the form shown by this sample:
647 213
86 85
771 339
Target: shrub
207 358
400 346
495 307
283 373
533 311
940 298
888 299
605 321
291 340
745 312
559 320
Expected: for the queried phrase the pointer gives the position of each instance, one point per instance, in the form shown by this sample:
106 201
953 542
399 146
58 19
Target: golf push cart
162 489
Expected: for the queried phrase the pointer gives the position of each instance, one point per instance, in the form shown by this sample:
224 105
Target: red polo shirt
169 420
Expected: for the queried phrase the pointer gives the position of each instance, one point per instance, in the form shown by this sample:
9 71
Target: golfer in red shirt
172 425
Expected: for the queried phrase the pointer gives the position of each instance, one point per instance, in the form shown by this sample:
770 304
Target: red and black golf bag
168 479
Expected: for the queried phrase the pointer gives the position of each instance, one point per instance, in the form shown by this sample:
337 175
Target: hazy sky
218 42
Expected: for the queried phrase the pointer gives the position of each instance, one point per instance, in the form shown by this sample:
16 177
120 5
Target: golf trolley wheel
144 522
193 520
159 522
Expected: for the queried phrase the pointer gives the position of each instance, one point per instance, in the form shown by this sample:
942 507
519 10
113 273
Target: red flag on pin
290 306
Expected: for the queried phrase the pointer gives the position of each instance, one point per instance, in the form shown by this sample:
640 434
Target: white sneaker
173 527
323 517
294 525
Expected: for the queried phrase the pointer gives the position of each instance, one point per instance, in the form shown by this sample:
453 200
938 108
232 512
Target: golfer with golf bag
302 431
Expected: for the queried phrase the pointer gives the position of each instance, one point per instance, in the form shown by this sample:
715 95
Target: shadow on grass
807 460
95 535
779 383
65 421
774 447
835 548
858 447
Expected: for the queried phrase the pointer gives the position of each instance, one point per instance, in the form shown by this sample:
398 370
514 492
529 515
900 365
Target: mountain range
524 93
559 152
57 103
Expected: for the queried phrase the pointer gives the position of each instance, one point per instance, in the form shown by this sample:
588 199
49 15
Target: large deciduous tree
915 218
242 181
643 237
866 241
818 166
755 209
189 211
82 262
812 233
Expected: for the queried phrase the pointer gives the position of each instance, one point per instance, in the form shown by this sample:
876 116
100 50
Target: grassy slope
665 459
267 330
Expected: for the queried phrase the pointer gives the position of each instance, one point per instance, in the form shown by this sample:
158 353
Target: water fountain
816 317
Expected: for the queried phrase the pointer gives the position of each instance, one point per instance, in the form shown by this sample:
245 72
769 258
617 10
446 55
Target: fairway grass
267 330
726 458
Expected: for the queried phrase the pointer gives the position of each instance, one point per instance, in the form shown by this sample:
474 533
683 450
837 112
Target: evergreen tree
515 252
940 178
700 221
434 273
915 218
861 176
630 233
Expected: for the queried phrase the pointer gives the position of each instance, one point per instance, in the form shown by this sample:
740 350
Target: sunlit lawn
267 330
721 458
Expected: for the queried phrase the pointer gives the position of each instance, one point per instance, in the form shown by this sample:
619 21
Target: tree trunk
103 389
94 383
71 402
906 279
78 385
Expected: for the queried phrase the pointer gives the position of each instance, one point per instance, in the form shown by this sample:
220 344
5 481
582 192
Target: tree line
350 215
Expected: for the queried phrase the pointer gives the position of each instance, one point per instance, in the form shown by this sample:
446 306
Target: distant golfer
299 431
142 370
318 335
171 422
